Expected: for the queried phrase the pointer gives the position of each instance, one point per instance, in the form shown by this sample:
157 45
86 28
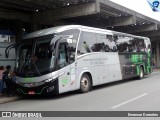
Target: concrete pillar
34 24
18 30
158 54
35 27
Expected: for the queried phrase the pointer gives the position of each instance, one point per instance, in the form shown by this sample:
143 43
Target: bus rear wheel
141 73
85 83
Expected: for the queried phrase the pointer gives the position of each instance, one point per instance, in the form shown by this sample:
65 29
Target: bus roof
51 30
54 30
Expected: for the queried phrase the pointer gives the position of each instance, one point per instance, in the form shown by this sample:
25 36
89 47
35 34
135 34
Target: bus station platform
4 99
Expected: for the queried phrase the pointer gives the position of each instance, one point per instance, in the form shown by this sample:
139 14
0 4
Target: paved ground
4 99
128 95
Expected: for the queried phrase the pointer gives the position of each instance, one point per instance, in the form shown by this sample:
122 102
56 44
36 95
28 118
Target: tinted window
102 44
87 43
112 43
96 42
140 45
72 38
129 44
124 44
62 56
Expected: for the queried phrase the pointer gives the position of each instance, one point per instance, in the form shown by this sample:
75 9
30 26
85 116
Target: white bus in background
5 41
75 57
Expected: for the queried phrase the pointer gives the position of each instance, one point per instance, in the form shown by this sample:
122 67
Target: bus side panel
112 68
64 79
130 63
67 78
104 67
87 63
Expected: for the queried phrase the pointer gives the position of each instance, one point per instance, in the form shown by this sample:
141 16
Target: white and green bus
75 57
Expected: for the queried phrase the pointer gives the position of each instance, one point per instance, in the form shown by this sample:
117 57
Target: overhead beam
115 7
136 28
93 23
155 38
149 33
67 12
13 15
121 21
141 28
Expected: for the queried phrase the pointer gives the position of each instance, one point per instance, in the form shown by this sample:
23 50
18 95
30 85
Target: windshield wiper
27 67
37 70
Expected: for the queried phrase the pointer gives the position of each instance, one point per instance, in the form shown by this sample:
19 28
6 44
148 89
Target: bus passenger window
62 57
102 44
86 47
87 42
125 44
105 47
71 53
111 42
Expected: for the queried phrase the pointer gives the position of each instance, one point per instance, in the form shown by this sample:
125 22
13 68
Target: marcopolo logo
155 5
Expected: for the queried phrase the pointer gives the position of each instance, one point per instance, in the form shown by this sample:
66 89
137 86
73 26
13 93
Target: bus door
149 56
64 68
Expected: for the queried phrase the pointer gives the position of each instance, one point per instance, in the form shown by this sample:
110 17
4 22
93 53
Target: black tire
141 73
85 83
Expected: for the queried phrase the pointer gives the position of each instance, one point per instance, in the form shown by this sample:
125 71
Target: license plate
31 92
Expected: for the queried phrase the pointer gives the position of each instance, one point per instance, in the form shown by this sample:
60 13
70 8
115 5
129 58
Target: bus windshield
35 56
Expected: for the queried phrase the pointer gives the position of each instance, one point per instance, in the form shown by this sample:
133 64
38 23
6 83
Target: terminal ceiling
107 14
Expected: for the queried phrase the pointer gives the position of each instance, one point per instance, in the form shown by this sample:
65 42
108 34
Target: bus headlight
36 84
17 82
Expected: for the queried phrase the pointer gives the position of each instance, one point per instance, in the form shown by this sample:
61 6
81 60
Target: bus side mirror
7 50
52 49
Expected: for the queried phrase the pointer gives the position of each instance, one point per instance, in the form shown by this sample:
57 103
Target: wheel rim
84 83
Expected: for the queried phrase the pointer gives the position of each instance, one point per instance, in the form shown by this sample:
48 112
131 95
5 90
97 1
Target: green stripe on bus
35 93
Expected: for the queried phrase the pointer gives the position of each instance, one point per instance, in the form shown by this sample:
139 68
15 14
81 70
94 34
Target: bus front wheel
85 83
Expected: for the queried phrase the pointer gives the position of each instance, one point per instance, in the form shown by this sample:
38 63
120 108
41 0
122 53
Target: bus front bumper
31 89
